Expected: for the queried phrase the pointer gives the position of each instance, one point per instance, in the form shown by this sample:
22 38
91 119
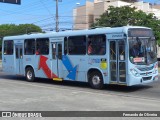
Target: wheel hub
96 80
29 75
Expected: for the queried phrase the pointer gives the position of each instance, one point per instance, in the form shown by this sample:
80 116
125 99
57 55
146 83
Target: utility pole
57 18
57 21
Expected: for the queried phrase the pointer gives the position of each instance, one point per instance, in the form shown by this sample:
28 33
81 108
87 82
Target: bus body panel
144 76
99 63
74 67
57 64
8 65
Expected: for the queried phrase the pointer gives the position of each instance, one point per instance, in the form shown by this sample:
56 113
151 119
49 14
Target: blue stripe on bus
72 70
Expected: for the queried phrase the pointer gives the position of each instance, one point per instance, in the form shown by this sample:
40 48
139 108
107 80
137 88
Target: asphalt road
47 95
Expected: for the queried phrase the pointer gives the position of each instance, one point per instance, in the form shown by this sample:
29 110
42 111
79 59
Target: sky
42 13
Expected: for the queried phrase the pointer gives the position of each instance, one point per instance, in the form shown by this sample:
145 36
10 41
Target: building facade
85 15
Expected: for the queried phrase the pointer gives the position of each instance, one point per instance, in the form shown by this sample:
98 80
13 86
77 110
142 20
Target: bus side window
54 50
113 50
42 46
29 46
8 47
65 45
60 51
77 45
122 50
96 45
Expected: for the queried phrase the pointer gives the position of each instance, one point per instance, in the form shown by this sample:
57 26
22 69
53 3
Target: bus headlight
134 72
155 71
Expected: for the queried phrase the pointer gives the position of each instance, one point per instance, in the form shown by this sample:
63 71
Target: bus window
54 50
65 45
121 50
96 45
60 51
8 47
42 46
17 53
113 50
29 47
77 45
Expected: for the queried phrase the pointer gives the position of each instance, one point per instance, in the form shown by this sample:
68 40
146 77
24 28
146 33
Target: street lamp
77 3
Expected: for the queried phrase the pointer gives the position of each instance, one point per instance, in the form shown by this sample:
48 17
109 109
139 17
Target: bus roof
103 30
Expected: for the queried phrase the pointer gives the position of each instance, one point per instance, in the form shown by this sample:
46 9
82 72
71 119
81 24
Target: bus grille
147 78
145 74
146 68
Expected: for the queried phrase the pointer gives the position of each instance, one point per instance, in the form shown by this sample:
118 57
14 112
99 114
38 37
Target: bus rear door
56 60
19 58
117 59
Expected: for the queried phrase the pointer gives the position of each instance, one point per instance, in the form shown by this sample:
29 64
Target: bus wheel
30 74
96 80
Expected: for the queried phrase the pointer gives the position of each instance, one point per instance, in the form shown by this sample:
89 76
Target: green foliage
126 15
12 29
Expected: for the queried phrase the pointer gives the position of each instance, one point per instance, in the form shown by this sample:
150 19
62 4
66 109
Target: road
47 95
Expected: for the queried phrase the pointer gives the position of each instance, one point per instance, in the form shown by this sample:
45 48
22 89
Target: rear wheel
96 80
30 76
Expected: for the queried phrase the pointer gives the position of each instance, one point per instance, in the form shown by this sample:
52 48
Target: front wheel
30 74
96 80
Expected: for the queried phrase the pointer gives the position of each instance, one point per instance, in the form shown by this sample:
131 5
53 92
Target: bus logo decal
72 70
45 68
103 64
28 59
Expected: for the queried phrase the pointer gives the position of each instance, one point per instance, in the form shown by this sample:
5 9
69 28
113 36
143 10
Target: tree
28 28
12 29
126 15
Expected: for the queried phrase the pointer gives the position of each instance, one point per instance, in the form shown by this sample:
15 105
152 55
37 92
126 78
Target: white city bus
98 56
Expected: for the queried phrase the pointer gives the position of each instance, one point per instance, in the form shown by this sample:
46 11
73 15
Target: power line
36 5
42 2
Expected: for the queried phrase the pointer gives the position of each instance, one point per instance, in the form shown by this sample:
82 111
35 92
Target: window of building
29 47
42 46
96 45
8 47
77 45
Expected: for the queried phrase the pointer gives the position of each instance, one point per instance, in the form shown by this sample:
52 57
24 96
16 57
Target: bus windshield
142 51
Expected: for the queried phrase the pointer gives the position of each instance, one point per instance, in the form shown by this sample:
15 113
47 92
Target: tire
96 80
30 76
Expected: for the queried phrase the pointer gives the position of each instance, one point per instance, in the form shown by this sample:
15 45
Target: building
85 15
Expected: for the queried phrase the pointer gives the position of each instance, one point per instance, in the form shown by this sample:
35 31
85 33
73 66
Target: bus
158 52
121 55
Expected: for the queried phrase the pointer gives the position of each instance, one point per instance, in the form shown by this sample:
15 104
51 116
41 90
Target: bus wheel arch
95 78
29 73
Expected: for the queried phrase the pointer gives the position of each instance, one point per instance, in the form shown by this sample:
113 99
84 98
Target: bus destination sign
140 32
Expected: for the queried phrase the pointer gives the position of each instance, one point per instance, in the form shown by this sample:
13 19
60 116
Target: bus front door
117 62
19 58
56 60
